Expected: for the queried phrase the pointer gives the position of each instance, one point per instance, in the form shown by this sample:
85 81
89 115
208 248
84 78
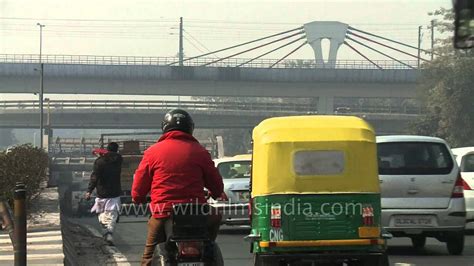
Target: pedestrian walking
105 178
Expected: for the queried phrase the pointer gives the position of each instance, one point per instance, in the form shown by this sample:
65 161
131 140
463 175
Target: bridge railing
161 105
380 109
230 62
203 106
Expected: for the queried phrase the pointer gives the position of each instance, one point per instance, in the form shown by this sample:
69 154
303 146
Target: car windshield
467 164
231 170
414 158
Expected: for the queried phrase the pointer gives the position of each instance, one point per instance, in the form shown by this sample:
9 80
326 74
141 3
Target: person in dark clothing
105 178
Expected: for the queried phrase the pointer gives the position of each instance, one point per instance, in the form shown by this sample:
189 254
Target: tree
447 89
25 164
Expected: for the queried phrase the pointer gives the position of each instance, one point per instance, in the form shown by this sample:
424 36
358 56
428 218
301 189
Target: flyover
207 114
218 75
155 76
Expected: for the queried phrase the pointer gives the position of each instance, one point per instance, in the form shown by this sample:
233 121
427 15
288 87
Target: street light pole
49 132
41 26
432 39
419 46
181 49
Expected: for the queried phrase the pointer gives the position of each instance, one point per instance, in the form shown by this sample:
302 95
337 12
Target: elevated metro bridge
207 114
227 75
133 76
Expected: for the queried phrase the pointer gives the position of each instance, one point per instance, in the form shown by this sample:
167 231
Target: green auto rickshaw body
315 189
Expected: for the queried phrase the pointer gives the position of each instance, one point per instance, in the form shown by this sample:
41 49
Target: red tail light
275 219
458 191
189 249
368 215
466 185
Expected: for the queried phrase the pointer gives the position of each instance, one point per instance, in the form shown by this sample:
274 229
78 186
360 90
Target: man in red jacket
175 170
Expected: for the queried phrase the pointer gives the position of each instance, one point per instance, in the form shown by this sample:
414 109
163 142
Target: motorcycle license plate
191 264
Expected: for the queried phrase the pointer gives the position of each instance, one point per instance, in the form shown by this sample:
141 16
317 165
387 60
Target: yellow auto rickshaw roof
321 128
278 140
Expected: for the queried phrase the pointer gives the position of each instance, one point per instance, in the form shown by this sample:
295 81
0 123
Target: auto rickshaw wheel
418 242
381 260
266 261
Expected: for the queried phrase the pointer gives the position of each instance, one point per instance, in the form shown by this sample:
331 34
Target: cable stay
390 40
361 54
387 46
375 50
238 45
283 58
271 51
197 41
254 48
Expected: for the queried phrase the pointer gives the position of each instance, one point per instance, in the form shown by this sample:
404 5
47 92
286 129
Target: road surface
131 233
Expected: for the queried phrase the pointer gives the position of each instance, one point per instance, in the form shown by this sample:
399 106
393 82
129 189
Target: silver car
465 159
422 192
235 172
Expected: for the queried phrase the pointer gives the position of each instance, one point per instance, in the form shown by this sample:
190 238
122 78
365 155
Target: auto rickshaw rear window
317 163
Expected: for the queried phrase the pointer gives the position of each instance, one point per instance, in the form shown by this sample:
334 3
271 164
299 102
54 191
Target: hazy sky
149 28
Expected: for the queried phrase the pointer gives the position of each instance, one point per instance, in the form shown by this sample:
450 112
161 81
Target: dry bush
25 164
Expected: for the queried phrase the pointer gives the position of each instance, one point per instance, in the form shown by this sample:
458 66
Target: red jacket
175 170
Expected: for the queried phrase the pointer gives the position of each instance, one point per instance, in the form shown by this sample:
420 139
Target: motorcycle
188 242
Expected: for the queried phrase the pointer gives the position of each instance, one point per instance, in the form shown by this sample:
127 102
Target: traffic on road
340 197
212 133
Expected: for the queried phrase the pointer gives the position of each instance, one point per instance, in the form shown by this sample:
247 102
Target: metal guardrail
159 105
205 106
231 62
374 109
78 151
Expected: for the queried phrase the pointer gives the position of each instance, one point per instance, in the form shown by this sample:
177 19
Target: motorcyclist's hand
87 196
223 197
207 194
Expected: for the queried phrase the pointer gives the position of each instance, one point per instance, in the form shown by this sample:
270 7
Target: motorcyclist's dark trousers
156 234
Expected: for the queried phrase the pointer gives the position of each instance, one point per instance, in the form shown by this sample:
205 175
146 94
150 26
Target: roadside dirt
81 247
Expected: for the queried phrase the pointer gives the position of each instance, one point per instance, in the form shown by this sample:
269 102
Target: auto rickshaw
315 193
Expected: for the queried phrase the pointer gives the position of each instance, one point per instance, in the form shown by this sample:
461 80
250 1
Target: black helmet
177 119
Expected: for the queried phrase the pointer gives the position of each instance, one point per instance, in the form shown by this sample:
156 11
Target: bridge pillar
326 105
334 31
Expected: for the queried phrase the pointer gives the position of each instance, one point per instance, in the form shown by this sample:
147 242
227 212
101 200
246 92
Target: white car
235 172
465 160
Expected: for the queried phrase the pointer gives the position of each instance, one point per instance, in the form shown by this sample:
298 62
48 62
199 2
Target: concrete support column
326 105
47 138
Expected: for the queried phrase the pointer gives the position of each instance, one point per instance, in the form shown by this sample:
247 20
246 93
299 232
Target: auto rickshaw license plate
414 220
369 232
